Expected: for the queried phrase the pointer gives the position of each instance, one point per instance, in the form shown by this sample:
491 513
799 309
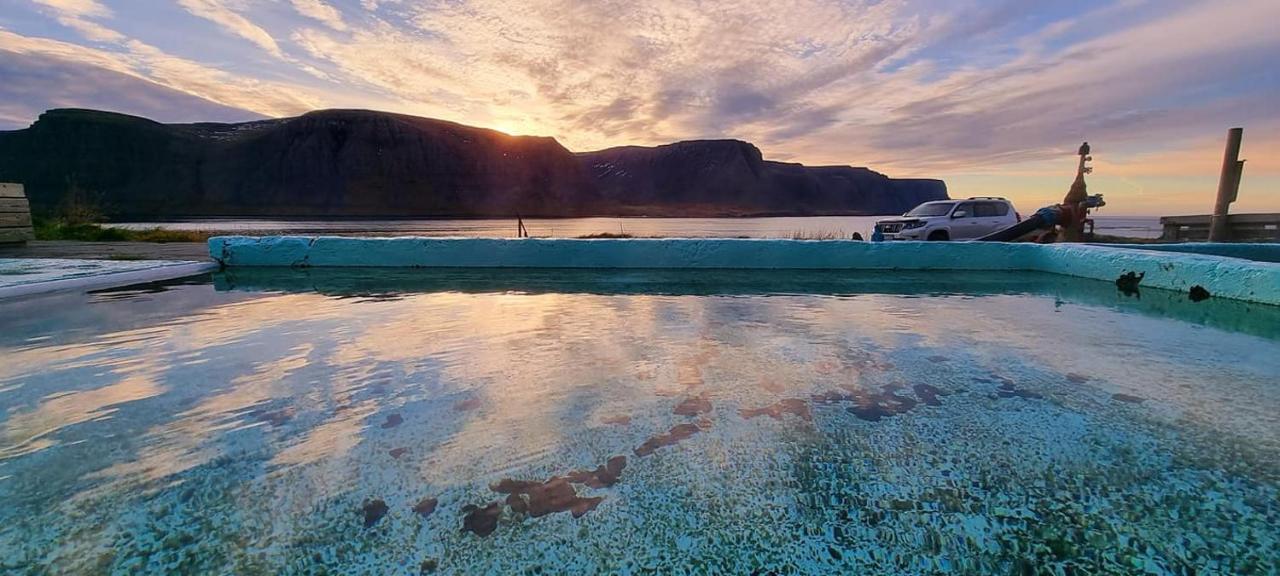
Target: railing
1240 227
15 215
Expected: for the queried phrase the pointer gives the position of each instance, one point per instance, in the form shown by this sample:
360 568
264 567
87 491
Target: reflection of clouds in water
184 442
27 432
281 420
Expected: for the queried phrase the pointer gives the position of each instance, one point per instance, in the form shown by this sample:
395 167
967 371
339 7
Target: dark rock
392 421
1128 283
425 507
557 494
1074 378
542 498
873 407
428 566
1198 293
373 511
481 521
603 476
693 406
397 452
677 434
929 394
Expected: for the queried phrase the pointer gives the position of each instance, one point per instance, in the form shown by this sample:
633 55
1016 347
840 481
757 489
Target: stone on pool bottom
193 431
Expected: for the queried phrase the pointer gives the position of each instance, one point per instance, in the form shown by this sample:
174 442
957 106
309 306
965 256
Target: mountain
365 163
732 177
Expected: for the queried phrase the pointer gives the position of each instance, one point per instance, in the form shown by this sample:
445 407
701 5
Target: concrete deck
28 276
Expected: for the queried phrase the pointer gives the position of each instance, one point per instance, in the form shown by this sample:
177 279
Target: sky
994 96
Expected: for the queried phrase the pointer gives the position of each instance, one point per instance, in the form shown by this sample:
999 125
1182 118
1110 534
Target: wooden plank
1237 219
15 220
1205 219
8 190
1187 220
16 235
15 205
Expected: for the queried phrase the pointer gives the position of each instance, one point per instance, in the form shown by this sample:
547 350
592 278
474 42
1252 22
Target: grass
605 235
818 235
49 229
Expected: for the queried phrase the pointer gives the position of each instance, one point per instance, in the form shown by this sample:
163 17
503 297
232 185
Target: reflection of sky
509 384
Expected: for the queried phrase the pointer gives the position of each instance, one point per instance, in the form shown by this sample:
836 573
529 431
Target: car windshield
931 209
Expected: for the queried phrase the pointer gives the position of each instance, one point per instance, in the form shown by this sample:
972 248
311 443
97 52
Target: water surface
806 227
581 422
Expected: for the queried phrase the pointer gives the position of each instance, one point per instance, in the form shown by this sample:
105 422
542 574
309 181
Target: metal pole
1228 186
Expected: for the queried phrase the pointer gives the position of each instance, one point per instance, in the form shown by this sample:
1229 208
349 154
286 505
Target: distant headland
354 163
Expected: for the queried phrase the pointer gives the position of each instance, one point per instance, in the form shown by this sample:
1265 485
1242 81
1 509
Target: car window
967 207
990 209
931 209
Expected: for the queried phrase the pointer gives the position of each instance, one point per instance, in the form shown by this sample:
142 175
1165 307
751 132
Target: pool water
576 422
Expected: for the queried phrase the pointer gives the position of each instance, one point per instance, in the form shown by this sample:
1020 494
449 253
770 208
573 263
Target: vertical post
1228 186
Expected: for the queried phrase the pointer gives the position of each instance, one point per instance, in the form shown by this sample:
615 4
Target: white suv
951 220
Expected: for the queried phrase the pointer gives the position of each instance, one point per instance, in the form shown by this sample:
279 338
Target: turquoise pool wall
1223 277
1259 251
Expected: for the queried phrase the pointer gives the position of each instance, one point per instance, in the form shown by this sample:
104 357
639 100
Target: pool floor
306 422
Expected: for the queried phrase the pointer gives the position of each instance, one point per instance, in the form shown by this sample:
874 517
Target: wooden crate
15 214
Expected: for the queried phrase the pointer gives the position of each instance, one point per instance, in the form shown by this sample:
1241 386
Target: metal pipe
1228 186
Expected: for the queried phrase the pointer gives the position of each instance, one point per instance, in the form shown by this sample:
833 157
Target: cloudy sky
992 95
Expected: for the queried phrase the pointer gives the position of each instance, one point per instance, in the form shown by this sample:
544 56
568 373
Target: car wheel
941 235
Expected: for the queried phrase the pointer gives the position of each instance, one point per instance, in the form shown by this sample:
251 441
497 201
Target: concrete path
195 251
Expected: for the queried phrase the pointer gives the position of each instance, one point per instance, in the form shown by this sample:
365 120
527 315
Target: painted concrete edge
722 253
108 280
1223 277
1259 251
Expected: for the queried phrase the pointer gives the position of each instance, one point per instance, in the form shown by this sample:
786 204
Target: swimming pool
556 421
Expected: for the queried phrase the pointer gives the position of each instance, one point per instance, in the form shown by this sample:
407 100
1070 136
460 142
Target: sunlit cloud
319 11
910 87
231 21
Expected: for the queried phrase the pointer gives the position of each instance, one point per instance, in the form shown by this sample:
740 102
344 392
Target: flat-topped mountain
732 177
365 163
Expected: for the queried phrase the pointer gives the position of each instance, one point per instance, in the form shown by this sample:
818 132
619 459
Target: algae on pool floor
588 430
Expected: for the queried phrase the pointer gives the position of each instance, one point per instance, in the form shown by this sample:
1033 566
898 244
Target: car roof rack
987 198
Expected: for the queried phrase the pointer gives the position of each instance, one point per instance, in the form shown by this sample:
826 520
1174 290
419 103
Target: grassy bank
55 229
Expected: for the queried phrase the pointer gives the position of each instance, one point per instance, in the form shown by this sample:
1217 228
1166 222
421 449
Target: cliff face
352 163
732 176
362 163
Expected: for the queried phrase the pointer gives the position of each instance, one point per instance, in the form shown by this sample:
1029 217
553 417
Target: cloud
149 63
219 13
35 82
319 11
77 15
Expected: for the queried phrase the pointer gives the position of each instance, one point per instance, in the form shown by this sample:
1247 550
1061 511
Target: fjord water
781 227
579 422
